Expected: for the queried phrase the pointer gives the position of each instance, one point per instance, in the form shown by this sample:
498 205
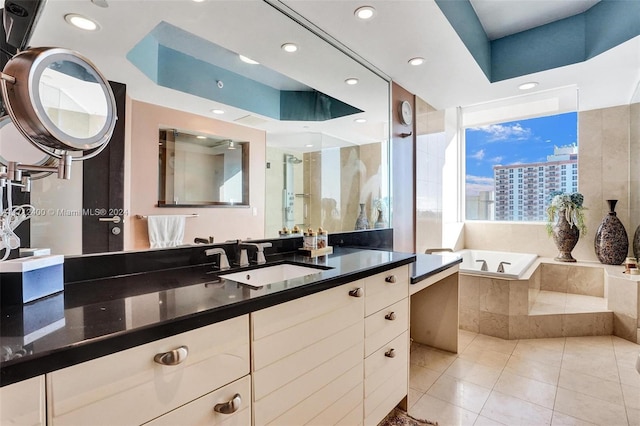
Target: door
103 188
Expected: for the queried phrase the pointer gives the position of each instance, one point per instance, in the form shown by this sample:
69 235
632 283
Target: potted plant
565 222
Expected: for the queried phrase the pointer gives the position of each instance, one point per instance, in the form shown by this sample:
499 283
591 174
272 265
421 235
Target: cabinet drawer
201 411
339 312
381 291
386 379
129 387
346 410
22 403
286 398
272 320
384 325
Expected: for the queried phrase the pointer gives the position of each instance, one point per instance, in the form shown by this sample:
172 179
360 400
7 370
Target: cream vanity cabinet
200 376
335 357
386 363
23 403
307 359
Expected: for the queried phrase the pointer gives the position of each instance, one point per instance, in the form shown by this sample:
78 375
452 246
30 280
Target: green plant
572 207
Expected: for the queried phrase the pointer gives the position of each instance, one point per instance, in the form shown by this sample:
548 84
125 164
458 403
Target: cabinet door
132 387
308 358
212 409
22 403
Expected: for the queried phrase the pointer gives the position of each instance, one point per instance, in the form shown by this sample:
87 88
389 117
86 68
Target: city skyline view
512 143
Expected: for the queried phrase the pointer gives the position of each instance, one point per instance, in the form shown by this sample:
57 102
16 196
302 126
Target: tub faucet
501 266
484 265
224 261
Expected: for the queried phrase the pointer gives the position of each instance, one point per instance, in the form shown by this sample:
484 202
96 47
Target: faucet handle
484 264
244 258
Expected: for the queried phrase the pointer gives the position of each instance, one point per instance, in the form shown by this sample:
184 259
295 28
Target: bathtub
519 263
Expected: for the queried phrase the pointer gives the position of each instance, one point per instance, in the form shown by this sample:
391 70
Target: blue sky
515 142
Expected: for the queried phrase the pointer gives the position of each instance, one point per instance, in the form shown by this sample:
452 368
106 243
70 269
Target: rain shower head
293 160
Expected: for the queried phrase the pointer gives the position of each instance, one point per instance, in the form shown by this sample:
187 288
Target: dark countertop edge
420 275
17 370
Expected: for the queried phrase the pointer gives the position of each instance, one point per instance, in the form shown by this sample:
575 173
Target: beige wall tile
493 324
554 277
469 319
587 281
625 327
545 326
623 296
494 296
518 298
469 290
519 327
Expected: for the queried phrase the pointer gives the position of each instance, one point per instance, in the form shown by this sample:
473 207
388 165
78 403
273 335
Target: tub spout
484 265
501 266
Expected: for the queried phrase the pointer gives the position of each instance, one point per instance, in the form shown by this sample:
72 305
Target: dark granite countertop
98 317
427 265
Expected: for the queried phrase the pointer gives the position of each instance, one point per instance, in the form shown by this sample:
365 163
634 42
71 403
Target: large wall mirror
318 147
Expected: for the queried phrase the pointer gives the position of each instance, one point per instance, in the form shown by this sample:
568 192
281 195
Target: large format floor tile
550 381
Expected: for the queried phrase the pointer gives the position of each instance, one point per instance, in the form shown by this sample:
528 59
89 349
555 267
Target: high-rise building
522 190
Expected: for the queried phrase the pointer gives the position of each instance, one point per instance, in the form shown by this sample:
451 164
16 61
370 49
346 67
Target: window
542 147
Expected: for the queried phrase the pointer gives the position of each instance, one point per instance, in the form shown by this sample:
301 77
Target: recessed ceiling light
231 145
416 61
217 111
201 137
365 12
527 86
290 47
309 145
81 22
360 120
248 60
198 1
351 81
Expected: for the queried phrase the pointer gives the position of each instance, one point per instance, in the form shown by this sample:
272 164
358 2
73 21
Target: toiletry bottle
323 238
310 240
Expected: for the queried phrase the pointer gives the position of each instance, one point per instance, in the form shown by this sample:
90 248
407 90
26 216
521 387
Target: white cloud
499 132
479 155
475 184
497 160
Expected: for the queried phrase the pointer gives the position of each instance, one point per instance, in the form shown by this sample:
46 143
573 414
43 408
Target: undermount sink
270 274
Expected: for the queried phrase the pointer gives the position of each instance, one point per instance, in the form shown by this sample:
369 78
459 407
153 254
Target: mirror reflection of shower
295 206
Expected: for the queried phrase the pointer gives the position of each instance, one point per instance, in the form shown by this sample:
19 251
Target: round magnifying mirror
14 147
59 100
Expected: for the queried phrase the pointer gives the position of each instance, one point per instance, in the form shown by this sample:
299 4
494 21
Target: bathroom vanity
150 348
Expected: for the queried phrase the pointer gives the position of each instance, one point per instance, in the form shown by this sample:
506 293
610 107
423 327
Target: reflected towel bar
188 216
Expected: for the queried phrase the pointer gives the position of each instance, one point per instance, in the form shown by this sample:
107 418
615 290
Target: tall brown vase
565 236
612 242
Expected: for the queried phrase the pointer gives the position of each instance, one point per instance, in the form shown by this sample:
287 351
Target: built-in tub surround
552 299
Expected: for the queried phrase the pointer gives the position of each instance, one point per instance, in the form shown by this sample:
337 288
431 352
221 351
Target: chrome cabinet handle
173 357
356 292
391 279
391 316
391 353
229 407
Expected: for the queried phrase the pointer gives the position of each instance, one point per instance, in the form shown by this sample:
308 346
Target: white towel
166 230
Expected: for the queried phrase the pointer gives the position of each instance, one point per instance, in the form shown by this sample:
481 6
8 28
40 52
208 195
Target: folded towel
165 230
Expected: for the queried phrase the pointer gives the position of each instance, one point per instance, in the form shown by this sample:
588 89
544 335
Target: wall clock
406 113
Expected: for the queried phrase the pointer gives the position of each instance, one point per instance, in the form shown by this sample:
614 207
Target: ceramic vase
612 242
565 236
380 223
362 222
636 243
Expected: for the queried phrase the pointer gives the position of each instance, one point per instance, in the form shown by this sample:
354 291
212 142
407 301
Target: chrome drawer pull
356 292
391 353
173 357
391 316
391 279
229 407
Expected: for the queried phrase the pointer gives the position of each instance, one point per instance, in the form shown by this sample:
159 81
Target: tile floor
554 381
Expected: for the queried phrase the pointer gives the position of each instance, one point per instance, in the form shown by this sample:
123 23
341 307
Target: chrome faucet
224 261
484 265
501 266
260 259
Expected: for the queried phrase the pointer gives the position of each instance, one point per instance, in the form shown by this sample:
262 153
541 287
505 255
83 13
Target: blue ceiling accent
167 56
560 43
